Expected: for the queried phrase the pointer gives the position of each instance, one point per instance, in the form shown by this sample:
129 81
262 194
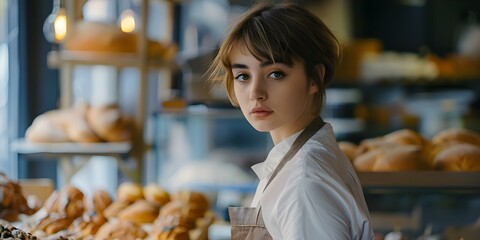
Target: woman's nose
258 90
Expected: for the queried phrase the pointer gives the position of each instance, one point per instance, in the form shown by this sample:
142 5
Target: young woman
275 63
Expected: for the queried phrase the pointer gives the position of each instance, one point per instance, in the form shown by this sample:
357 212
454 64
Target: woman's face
274 97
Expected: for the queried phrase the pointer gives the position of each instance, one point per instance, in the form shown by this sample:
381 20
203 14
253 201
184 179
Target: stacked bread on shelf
454 149
108 38
81 123
138 212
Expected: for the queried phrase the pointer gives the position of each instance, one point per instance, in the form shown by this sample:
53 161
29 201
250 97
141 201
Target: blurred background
133 71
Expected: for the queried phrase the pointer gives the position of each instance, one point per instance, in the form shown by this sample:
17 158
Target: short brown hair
280 33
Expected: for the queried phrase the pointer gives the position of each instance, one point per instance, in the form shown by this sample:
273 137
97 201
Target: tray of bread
136 212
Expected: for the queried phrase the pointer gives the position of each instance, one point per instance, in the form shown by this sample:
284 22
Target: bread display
452 149
114 209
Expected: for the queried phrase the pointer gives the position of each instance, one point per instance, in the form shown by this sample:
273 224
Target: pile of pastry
138 212
81 123
12 201
454 149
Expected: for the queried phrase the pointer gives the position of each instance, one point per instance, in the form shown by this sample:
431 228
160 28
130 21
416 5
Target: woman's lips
261 112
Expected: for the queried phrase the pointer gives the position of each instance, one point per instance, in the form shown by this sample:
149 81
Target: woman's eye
241 77
276 75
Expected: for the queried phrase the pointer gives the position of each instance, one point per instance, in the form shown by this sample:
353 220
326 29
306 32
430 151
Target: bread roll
120 230
109 123
404 137
129 192
349 149
155 194
458 157
140 212
87 226
196 200
457 135
114 209
176 233
99 201
393 158
368 145
69 202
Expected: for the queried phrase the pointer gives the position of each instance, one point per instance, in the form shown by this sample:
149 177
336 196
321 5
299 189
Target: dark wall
38 85
413 25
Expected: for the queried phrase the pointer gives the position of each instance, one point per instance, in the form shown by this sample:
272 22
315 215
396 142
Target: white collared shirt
317 194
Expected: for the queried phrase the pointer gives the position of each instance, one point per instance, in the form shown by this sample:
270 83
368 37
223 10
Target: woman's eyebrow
270 62
238 65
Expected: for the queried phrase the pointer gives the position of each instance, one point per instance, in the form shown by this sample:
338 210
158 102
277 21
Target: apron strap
309 131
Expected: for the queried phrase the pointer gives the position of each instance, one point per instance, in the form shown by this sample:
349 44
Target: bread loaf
120 230
140 212
458 157
457 135
392 158
129 192
404 137
114 209
155 194
62 125
109 123
108 38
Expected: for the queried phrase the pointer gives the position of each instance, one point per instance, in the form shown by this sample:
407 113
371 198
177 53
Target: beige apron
246 222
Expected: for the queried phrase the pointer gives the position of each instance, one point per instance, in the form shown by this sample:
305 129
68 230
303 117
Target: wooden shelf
421 179
21 146
56 58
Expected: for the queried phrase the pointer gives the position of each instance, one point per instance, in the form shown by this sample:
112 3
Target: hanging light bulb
55 26
127 21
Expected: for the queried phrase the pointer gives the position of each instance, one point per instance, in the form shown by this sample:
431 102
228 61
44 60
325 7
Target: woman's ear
320 71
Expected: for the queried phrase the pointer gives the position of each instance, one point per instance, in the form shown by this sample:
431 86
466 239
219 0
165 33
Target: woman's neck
284 132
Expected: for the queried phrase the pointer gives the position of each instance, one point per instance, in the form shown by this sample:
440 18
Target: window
8 84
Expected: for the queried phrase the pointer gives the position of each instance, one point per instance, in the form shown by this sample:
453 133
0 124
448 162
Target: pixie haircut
281 33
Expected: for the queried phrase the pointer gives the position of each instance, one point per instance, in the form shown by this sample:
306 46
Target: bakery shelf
21 146
440 180
55 58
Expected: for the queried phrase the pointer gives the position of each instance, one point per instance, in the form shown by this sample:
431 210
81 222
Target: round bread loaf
176 233
392 158
120 230
129 192
142 211
457 135
458 157
155 194
404 137
114 209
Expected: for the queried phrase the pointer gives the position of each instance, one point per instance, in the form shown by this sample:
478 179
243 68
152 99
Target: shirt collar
265 168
